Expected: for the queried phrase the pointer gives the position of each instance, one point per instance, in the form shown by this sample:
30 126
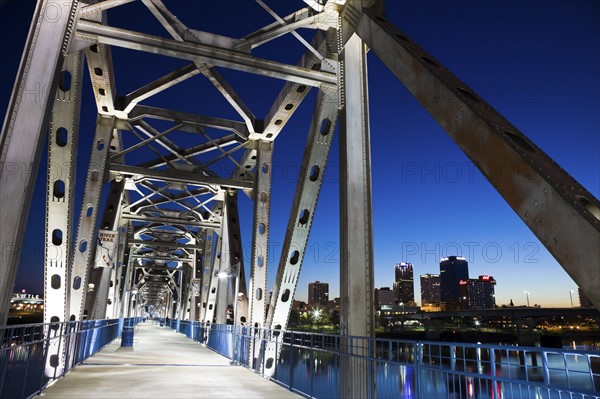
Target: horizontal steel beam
156 267
168 220
164 258
178 176
93 10
95 32
237 127
165 244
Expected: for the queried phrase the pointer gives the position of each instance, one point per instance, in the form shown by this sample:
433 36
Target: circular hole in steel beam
304 216
62 137
57 237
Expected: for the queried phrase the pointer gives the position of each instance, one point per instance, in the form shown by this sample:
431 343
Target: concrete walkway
162 364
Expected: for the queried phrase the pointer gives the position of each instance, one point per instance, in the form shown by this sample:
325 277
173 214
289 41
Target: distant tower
477 293
430 289
452 270
318 294
404 285
384 296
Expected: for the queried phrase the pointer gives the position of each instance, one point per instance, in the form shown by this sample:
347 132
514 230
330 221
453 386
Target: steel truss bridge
169 224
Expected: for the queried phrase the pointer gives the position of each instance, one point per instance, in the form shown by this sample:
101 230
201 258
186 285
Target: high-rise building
404 285
430 289
452 270
384 296
477 293
318 294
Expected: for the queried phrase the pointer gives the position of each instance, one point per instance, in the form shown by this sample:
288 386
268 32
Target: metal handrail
24 350
432 369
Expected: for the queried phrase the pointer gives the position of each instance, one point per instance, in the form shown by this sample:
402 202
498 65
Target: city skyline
429 200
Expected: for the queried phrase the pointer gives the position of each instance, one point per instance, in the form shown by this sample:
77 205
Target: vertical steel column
224 262
207 271
260 234
119 270
62 159
127 284
86 231
115 277
101 288
356 229
191 311
180 299
84 247
317 149
309 184
106 249
213 286
236 258
24 127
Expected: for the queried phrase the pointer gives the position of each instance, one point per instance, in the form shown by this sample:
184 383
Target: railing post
493 370
453 357
418 360
291 357
277 353
311 362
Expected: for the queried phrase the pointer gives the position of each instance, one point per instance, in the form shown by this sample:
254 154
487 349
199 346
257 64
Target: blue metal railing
24 348
310 364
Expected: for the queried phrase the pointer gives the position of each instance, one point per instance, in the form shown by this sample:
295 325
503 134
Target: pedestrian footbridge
187 359
162 364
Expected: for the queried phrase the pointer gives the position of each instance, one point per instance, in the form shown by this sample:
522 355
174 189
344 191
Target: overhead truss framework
168 240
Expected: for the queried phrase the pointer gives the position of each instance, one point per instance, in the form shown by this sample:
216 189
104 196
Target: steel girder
557 209
312 172
177 176
98 33
114 291
88 217
260 234
23 132
207 270
357 310
106 253
62 157
213 285
236 260
192 286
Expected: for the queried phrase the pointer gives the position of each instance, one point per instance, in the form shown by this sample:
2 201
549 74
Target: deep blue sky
536 62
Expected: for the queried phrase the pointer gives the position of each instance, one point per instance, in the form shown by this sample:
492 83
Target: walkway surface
162 364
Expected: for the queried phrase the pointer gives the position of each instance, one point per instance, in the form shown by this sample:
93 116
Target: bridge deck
162 364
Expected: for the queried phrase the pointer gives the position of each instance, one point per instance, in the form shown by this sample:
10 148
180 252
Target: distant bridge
510 313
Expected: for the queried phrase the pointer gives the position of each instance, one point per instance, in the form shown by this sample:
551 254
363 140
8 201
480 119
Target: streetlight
527 294
571 295
316 314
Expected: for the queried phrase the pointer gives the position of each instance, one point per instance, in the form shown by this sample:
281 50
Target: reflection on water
311 364
316 373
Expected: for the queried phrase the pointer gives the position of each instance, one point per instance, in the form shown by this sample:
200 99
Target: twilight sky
535 62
